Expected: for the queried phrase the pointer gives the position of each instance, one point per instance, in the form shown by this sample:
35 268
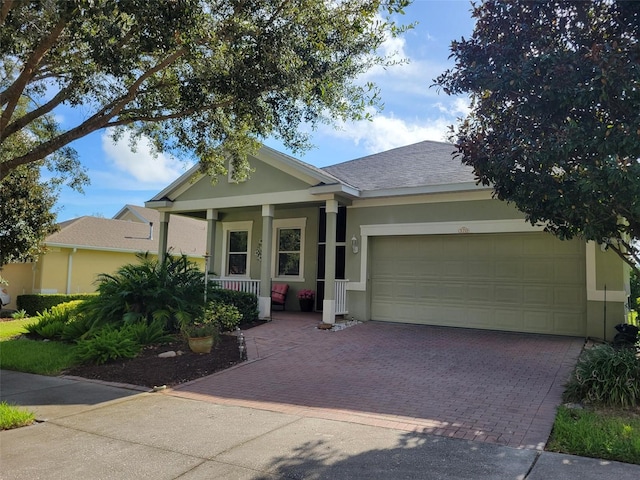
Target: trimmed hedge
35 304
246 303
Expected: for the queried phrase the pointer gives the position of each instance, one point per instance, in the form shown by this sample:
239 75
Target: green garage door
528 282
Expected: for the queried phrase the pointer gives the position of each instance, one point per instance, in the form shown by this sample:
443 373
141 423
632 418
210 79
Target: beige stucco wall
53 267
20 277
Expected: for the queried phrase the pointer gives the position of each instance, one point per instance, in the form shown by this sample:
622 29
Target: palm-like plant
147 291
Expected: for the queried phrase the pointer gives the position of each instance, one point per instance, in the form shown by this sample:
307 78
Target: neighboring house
404 236
87 246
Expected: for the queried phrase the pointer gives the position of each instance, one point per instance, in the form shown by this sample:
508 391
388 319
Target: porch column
162 241
212 217
264 301
329 302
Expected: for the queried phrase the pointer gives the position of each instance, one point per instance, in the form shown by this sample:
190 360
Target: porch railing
241 284
341 297
253 286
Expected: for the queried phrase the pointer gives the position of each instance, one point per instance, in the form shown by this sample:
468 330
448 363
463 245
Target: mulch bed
149 370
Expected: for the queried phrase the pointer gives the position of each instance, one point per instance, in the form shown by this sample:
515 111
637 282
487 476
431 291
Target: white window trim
300 223
235 227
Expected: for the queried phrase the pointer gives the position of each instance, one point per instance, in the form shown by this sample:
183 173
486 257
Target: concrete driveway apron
487 386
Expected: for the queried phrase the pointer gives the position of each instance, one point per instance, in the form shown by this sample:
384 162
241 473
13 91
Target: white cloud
143 164
387 132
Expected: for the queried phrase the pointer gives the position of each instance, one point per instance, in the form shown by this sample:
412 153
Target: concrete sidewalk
100 431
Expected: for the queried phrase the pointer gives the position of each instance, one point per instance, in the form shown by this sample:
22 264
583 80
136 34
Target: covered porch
286 224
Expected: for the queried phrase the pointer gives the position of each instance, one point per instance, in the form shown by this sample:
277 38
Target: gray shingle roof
186 235
421 164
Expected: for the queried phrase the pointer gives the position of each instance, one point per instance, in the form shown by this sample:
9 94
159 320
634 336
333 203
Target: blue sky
413 112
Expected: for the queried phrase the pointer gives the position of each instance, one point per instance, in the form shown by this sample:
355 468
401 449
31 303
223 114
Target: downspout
70 269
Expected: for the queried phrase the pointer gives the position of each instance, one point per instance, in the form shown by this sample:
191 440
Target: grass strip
607 434
14 417
31 356
12 328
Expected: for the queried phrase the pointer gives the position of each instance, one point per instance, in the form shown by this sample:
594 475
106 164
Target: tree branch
96 122
6 7
26 119
11 95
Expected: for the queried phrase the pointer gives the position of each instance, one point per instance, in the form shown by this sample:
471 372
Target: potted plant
306 297
201 331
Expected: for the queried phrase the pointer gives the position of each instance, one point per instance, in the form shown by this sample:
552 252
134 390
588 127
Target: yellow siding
20 278
86 266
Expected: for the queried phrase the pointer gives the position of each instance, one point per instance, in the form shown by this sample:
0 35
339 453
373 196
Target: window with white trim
288 244
236 248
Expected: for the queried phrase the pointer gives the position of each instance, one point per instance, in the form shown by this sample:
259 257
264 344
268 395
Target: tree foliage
26 216
555 121
203 77
26 200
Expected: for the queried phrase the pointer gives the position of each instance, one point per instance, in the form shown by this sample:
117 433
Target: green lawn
31 356
609 434
14 417
12 328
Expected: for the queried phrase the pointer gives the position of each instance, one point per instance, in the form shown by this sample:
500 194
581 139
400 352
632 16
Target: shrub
246 303
19 315
148 334
606 376
147 291
50 323
32 304
107 344
77 328
227 316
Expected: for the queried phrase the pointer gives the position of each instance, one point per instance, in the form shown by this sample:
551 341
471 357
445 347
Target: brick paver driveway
474 384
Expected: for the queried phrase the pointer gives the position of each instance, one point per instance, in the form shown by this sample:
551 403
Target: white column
329 301
264 300
162 240
212 218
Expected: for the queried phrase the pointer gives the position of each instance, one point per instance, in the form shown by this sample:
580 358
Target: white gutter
70 269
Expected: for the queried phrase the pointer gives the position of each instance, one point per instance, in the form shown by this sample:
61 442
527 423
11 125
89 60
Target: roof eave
335 188
424 189
159 204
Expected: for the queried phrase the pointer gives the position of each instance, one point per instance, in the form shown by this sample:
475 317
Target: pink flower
306 294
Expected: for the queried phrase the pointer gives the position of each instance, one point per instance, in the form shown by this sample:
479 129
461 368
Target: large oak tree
555 121
201 78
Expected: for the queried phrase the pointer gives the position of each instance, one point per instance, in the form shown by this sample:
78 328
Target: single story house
404 235
86 246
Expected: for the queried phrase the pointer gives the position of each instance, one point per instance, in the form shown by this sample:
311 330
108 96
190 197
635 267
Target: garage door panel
480 293
538 296
535 321
508 270
515 282
480 269
538 270
506 294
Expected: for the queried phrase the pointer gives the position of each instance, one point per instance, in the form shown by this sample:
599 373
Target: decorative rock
168 354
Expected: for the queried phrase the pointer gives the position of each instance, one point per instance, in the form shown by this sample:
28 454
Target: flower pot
306 304
201 344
